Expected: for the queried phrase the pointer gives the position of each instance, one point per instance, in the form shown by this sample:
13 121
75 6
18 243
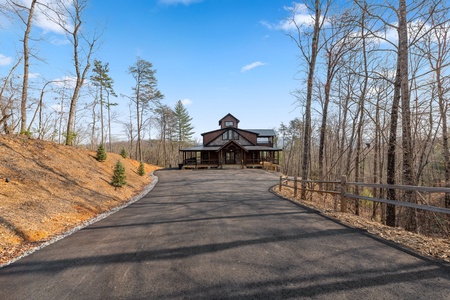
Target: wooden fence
342 188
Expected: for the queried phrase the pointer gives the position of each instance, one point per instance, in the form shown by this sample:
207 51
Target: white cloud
33 75
59 42
252 66
176 2
299 17
66 81
44 17
186 102
5 60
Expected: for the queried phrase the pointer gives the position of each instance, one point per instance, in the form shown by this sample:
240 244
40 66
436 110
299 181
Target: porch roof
217 148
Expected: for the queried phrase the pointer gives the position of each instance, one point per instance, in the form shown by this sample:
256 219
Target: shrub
123 153
101 153
141 169
119 177
26 133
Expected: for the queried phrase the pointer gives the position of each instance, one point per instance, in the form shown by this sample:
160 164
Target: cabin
233 147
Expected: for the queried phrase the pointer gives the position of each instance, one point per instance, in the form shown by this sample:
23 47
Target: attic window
229 123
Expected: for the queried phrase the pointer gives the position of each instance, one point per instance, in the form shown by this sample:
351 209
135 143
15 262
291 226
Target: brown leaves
428 246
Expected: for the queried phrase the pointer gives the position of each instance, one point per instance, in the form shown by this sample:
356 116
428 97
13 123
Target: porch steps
231 166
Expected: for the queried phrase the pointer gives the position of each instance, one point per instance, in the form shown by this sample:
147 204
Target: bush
26 133
141 169
124 153
101 153
119 177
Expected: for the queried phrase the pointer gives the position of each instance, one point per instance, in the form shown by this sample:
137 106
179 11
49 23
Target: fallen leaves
438 248
54 188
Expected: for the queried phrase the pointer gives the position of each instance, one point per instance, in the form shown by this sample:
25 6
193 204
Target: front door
230 157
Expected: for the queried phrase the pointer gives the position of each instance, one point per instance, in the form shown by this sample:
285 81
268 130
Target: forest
373 96
375 106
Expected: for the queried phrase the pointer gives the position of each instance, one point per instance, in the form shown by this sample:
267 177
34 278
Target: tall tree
145 93
69 15
437 51
362 100
26 15
309 46
104 83
183 127
166 122
336 46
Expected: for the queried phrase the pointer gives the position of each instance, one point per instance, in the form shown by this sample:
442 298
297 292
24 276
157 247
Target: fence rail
344 195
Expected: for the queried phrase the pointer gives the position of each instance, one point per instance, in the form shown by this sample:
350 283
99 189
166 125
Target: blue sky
218 56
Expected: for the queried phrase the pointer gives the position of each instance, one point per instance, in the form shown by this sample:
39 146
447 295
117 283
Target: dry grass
53 188
438 248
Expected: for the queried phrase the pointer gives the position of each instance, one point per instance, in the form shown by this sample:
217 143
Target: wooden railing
342 187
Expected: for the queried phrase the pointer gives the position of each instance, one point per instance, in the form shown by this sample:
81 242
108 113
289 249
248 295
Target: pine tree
101 153
119 177
124 153
141 169
184 129
104 83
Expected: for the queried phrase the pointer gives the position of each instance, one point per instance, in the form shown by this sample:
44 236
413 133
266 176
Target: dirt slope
53 188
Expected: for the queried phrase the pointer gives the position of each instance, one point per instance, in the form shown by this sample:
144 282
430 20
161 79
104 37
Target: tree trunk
312 66
392 145
26 66
408 177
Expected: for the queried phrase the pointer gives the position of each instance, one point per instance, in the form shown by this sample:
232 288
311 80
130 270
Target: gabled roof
237 120
226 129
259 132
220 129
232 142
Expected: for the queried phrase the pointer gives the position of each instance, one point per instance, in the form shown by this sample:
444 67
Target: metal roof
263 132
217 148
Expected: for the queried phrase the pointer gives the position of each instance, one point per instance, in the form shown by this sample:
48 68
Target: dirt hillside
47 189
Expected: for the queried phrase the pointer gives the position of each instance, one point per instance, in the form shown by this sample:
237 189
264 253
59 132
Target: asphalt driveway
220 234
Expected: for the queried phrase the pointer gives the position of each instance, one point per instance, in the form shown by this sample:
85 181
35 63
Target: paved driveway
217 234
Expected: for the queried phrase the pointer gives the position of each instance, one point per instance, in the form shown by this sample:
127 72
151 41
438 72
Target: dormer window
229 124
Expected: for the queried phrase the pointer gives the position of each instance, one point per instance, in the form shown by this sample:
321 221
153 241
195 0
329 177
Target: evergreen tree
141 169
119 177
104 83
101 153
124 153
184 129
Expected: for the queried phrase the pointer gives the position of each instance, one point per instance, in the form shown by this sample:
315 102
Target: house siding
229 118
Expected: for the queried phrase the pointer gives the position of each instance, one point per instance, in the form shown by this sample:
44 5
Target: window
262 140
230 135
229 123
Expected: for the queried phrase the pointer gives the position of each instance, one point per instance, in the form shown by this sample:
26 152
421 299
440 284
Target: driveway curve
220 234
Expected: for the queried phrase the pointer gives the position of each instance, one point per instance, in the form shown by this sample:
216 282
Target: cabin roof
263 132
217 148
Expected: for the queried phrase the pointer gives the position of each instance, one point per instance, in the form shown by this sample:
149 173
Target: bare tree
4 105
26 15
309 46
337 45
69 16
437 51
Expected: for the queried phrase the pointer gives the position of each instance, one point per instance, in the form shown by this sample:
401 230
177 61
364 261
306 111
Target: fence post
281 179
295 186
343 192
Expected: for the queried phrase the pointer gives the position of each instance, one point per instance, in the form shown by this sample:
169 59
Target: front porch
230 160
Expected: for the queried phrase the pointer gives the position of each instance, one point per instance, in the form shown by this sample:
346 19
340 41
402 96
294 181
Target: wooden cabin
232 147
